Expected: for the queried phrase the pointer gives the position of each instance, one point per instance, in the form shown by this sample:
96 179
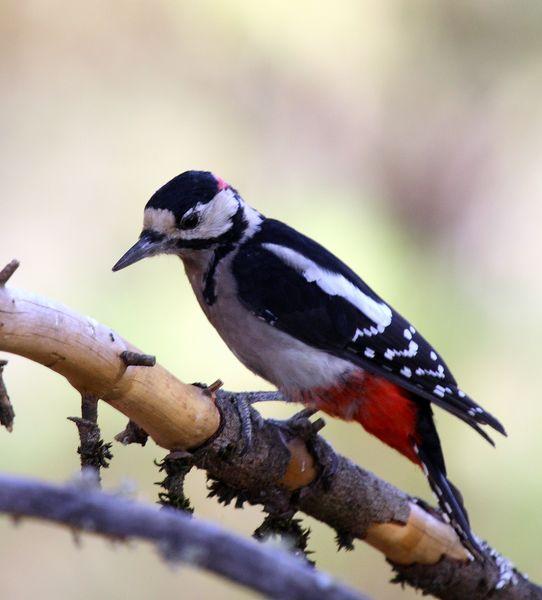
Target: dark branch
176 465
178 537
132 434
7 414
348 498
94 453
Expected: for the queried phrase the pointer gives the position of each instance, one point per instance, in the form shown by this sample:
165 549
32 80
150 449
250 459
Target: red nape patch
222 185
381 407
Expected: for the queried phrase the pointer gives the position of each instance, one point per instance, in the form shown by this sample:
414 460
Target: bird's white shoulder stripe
334 284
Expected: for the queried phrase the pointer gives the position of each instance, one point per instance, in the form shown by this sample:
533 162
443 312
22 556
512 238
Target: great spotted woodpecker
300 318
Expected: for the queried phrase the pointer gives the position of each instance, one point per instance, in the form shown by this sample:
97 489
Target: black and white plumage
301 288
296 315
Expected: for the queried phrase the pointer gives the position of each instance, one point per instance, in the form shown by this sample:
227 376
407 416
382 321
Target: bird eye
190 221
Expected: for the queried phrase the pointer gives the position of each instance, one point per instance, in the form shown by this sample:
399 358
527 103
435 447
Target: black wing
315 305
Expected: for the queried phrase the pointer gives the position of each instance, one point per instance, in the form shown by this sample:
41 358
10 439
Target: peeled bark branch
268 570
88 354
279 471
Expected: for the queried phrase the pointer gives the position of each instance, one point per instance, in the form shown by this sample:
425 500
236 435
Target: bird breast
288 363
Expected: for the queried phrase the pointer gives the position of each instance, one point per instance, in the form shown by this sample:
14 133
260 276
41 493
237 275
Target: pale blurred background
405 135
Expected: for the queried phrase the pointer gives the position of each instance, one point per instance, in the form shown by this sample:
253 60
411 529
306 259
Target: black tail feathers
463 407
451 504
449 498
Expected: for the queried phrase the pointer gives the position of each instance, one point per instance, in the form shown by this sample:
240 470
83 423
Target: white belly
270 353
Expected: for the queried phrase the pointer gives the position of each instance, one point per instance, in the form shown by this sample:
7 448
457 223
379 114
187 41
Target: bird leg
243 402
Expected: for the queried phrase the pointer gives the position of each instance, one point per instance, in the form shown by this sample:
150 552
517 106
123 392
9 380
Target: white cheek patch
160 220
214 217
335 284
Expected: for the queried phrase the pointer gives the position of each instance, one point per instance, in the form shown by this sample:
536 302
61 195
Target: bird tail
449 497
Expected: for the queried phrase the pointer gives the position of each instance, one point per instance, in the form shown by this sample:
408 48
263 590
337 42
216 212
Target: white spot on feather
406 372
412 350
438 373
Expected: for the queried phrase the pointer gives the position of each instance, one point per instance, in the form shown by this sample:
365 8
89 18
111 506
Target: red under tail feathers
381 407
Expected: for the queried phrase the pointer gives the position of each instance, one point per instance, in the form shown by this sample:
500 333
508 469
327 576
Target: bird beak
147 245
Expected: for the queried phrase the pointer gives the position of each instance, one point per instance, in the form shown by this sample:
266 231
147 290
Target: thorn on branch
7 414
289 531
176 465
94 452
345 541
132 434
8 271
214 387
226 494
135 359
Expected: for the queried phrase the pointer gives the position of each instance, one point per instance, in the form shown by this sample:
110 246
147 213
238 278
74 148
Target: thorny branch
285 469
94 452
176 466
7 414
351 501
177 537
132 434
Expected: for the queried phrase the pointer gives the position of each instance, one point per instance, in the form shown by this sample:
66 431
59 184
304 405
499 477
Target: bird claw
300 424
242 406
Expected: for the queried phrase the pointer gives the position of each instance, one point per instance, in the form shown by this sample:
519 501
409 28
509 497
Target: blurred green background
405 135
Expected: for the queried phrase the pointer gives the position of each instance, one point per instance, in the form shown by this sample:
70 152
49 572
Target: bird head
194 211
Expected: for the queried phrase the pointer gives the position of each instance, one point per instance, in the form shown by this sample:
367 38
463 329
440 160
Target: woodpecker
300 318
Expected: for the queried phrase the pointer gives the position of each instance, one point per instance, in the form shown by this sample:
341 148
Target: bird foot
243 404
300 425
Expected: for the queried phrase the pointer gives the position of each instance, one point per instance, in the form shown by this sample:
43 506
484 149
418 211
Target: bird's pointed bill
146 246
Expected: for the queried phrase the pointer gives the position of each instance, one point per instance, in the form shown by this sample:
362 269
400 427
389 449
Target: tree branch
178 537
94 452
7 414
281 470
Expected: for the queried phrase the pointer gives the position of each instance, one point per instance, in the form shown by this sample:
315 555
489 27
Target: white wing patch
336 284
